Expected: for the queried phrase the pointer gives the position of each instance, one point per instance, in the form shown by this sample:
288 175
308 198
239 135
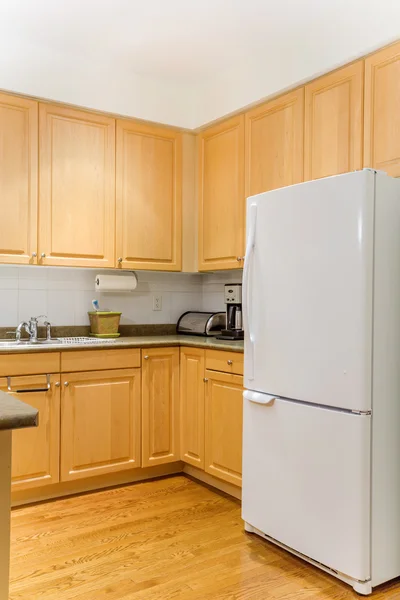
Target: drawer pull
230 362
29 390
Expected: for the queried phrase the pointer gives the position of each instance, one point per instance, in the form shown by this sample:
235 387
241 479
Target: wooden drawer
35 363
228 362
99 360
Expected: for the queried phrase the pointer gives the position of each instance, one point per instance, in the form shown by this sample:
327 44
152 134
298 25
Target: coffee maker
233 301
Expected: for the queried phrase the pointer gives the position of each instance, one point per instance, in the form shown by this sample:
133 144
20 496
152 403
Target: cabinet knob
66 383
43 255
120 259
146 357
57 384
238 258
205 379
34 254
230 362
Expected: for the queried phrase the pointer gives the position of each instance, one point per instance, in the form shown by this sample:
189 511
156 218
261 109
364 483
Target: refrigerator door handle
248 326
258 398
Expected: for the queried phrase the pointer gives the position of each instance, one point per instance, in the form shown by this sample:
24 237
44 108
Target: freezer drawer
306 480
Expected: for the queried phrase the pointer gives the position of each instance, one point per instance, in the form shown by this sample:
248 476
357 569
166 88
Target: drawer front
35 363
98 360
228 362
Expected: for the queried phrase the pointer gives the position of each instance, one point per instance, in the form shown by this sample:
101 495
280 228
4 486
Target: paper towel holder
120 283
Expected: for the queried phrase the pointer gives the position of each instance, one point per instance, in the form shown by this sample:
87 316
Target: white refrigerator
321 428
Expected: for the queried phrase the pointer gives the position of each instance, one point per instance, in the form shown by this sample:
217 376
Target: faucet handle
39 317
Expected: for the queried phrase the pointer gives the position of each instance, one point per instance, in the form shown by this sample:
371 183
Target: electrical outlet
157 302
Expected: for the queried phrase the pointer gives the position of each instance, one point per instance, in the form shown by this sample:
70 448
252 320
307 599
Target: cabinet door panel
274 143
192 406
223 426
18 179
100 423
382 116
333 123
36 451
149 197
77 187
160 406
221 196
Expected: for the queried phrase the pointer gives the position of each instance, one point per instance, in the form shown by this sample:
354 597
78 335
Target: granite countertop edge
144 341
15 414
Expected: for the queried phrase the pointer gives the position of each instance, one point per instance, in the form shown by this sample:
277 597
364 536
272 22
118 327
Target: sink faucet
30 328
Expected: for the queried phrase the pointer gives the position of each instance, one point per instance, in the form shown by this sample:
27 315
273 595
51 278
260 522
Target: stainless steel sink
67 341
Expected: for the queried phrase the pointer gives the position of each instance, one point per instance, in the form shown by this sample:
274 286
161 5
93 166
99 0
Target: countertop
141 341
15 414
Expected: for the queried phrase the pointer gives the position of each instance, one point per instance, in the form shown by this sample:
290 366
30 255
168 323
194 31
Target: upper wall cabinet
221 196
18 179
77 187
382 114
333 123
274 143
149 197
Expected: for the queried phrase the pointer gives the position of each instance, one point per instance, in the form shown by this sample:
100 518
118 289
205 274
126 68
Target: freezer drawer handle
258 398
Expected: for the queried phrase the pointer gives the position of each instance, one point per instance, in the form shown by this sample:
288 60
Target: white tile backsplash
65 295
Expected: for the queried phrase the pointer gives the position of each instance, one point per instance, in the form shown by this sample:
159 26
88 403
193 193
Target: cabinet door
160 406
192 406
149 197
274 143
36 451
77 188
223 426
382 115
333 135
221 196
100 422
18 179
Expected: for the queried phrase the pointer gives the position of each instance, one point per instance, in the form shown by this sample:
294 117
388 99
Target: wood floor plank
164 539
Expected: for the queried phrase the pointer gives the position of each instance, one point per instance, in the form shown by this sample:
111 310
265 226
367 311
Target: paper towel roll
116 283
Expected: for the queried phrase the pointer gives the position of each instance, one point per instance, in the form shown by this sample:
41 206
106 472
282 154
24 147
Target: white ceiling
180 51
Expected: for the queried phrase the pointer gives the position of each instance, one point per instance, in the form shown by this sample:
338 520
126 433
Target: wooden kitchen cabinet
381 110
192 406
274 143
160 406
223 426
100 422
77 187
333 131
149 197
36 451
18 179
221 196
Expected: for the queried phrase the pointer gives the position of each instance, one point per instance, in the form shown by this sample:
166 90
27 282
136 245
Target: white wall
65 295
339 32
37 71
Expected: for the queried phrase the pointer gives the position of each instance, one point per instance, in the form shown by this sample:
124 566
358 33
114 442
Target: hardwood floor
165 539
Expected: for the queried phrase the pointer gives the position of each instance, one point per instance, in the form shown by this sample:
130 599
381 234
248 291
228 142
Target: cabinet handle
230 362
146 357
34 254
205 379
66 383
238 258
43 255
120 259
57 384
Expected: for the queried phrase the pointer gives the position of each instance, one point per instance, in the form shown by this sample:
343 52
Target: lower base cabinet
223 426
36 451
100 422
211 413
160 406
